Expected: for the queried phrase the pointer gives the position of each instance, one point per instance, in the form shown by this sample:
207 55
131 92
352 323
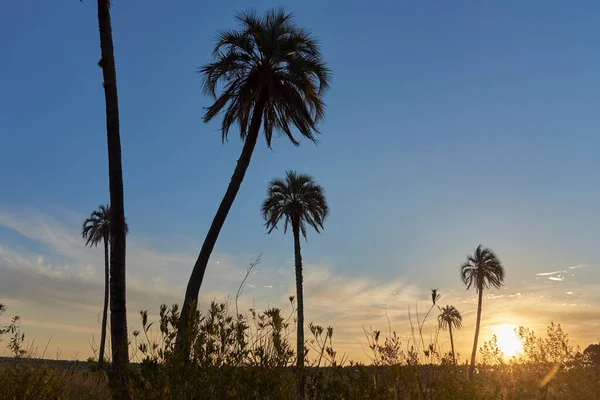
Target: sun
507 339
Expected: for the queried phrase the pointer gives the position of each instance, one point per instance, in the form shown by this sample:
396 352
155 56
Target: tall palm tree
481 271
272 76
298 200
95 229
449 317
118 306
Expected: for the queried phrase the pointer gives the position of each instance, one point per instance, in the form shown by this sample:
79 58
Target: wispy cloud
57 289
550 273
580 266
62 284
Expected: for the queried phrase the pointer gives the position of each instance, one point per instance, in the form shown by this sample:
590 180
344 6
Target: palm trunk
474 353
190 302
452 343
300 304
118 308
105 308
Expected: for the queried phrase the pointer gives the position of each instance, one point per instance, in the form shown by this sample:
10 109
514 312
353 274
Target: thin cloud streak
60 289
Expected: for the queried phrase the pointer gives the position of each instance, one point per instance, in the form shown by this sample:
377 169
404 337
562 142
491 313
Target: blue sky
449 124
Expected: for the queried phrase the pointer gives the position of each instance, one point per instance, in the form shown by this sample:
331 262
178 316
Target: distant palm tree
298 200
118 297
450 317
272 76
481 271
96 229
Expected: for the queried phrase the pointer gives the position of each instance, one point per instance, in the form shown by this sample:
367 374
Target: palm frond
297 198
482 270
449 316
267 55
96 228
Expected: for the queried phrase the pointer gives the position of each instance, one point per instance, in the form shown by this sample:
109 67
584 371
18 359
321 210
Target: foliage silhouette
592 352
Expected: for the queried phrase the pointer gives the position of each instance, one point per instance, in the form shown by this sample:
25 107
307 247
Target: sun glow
507 339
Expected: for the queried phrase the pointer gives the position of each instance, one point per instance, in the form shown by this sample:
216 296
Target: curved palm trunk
118 309
105 308
300 303
452 343
190 302
474 353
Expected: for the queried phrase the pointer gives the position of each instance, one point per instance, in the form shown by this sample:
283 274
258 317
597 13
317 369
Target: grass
250 357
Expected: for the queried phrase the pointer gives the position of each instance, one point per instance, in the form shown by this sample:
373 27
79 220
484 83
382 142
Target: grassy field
516 381
234 357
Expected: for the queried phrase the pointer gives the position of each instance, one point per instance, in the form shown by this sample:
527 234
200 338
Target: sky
449 125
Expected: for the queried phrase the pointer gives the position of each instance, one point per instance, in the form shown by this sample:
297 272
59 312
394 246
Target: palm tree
272 76
481 271
95 229
450 317
118 306
298 200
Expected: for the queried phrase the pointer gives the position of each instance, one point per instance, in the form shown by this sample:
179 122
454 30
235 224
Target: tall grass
249 356
27 375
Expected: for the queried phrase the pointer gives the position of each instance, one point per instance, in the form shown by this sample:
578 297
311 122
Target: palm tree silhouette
118 295
299 201
96 229
272 76
449 317
481 271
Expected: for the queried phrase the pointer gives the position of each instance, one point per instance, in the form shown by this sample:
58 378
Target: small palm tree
272 76
299 201
96 229
449 317
481 271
